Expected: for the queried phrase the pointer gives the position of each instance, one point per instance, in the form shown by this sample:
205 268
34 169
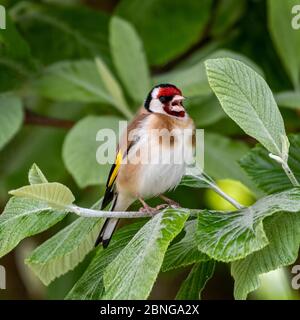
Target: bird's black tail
121 203
107 231
109 226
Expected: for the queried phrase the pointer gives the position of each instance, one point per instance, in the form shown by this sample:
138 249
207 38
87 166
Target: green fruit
234 189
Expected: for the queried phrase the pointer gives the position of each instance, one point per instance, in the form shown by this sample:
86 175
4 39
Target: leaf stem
290 174
219 191
225 196
286 169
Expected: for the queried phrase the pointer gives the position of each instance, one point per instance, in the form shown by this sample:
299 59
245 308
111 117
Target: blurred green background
46 58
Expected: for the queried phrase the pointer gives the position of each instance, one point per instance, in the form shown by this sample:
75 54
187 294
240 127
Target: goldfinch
140 170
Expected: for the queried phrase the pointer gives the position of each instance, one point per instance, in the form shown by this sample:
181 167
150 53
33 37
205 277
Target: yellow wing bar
116 169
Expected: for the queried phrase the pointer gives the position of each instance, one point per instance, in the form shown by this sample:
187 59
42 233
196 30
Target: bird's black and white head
166 99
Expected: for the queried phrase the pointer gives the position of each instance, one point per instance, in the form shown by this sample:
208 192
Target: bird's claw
162 206
174 204
155 210
150 210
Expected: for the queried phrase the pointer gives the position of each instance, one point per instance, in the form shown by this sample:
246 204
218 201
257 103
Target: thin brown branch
103 5
32 118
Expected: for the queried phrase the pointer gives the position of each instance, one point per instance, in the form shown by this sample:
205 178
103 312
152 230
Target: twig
33 118
91 213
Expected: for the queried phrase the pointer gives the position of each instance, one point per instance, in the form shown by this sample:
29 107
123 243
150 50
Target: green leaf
283 234
113 87
247 99
285 38
194 284
132 274
65 250
56 194
192 79
82 81
73 81
266 173
129 59
79 32
165 28
185 251
23 218
11 117
80 150
90 286
288 99
36 176
232 236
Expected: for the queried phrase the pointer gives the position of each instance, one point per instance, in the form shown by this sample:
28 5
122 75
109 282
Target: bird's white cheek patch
156 106
155 93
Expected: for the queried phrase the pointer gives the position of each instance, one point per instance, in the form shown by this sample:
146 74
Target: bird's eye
164 99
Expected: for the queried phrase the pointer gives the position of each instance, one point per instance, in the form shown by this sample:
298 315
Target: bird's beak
176 103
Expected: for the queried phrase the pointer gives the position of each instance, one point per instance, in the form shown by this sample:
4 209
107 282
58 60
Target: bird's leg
147 208
170 202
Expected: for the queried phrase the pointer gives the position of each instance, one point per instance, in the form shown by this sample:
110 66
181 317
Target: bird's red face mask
171 98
